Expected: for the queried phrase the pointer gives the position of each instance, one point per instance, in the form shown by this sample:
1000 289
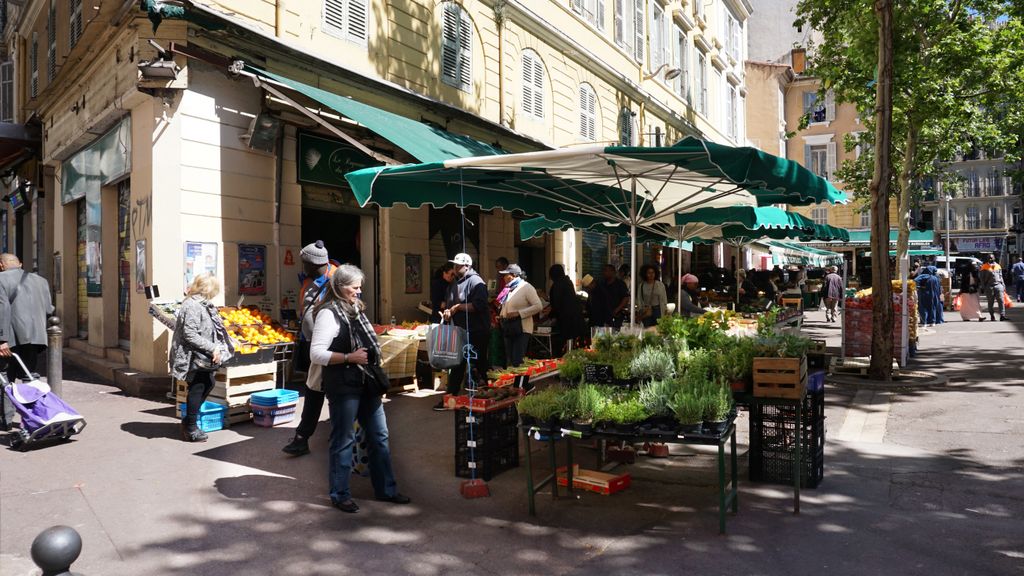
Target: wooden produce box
234 384
594 481
398 357
780 377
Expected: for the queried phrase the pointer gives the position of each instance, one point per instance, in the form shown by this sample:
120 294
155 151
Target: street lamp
670 74
948 268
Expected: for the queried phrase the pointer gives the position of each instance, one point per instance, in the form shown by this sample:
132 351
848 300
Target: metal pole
54 366
904 333
632 256
842 321
948 267
679 272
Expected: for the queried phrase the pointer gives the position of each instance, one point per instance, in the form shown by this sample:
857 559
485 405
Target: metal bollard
55 549
54 356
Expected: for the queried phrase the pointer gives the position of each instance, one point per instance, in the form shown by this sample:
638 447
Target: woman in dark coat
565 309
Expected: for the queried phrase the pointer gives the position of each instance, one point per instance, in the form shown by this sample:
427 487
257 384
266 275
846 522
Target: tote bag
444 345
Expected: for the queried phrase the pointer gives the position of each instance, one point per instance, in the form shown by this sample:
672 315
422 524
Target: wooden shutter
533 84
7 92
638 30
577 6
830 164
830 106
450 44
334 16
33 57
74 21
655 39
620 22
538 88
588 113
357 14
465 51
599 9
51 42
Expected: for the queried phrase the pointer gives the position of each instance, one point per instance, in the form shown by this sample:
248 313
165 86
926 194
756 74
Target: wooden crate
780 377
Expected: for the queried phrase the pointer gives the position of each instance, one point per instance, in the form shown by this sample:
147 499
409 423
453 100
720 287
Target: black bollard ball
56 548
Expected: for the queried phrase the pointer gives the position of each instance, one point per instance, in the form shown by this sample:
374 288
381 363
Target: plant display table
727 492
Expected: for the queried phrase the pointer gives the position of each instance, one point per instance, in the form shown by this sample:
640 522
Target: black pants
480 340
311 409
198 389
29 354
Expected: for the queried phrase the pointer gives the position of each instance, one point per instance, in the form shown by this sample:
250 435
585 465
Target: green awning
422 141
916 236
921 252
785 253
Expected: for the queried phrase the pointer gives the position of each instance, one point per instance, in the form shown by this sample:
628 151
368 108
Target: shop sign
252 269
326 161
101 163
200 258
984 244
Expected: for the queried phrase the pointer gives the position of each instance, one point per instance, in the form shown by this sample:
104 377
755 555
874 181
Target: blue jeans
345 409
515 348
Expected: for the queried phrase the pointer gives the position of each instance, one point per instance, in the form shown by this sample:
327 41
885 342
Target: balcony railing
972 224
995 223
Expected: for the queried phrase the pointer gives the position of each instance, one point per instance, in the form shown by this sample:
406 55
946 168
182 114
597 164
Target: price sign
598 373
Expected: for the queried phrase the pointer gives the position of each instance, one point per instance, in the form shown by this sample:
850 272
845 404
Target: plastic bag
1007 303
444 345
956 302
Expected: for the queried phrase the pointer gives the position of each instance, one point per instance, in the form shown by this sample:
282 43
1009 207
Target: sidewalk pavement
916 481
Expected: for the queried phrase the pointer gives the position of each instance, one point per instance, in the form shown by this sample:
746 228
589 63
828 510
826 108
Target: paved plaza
917 481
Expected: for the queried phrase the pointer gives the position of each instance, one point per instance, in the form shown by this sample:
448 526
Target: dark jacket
24 320
346 378
471 289
438 293
604 298
566 309
969 280
833 286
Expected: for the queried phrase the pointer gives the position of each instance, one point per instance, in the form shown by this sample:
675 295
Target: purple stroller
44 415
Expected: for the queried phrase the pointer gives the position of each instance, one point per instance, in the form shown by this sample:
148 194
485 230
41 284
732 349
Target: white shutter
356 16
528 83
334 17
830 164
75 21
450 44
599 8
830 106
538 89
465 52
577 6
638 30
677 60
588 113
620 21
656 42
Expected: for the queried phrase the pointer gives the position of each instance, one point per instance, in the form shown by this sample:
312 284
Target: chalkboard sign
598 373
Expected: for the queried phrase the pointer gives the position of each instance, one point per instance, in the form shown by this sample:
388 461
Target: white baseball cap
462 259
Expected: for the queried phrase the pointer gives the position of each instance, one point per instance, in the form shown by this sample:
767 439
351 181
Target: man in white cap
317 269
467 307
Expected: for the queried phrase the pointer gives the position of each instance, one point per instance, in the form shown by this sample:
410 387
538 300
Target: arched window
456 47
533 85
588 112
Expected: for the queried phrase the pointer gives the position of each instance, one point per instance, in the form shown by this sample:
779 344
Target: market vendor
690 297
439 283
748 292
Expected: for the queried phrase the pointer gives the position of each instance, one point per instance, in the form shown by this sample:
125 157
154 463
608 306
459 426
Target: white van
958 262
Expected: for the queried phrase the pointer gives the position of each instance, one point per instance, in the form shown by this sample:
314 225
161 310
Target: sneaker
347 506
195 435
1003 318
440 407
299 446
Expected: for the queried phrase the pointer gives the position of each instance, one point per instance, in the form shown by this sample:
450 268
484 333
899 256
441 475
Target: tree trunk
906 182
881 182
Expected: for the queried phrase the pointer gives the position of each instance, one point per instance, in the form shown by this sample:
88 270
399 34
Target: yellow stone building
157 160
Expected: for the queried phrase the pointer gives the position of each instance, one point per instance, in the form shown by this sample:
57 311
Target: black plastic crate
507 416
487 463
776 467
487 436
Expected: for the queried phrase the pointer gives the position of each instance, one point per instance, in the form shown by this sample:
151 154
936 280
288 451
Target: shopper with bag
970 302
651 296
467 308
993 287
346 347
199 347
518 305
317 270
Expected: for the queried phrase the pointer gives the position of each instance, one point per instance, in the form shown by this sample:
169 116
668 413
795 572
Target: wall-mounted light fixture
670 73
162 68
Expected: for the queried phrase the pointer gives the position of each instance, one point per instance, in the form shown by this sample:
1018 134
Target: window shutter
357 20
638 30
34 65
334 16
465 51
7 92
807 157
75 22
655 39
677 60
577 6
450 44
625 127
528 83
620 32
830 106
599 8
51 42
831 161
538 88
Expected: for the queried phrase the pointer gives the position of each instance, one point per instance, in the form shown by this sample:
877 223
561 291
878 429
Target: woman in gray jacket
199 346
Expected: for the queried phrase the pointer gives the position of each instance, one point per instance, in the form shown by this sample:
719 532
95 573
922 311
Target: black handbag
376 380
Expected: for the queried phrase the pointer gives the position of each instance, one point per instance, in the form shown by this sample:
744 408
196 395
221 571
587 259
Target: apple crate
780 377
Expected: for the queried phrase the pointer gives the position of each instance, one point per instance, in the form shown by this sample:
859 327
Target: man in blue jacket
467 308
1017 273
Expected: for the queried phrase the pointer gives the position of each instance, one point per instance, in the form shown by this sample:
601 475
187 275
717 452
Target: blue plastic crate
273 397
207 409
816 381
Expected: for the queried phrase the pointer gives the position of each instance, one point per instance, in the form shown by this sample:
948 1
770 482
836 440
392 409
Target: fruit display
251 328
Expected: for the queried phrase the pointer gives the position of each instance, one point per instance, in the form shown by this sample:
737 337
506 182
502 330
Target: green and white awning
786 253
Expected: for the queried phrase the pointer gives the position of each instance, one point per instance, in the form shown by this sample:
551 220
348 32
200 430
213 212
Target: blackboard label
598 373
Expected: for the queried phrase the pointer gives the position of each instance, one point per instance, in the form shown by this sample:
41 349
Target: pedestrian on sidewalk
929 296
467 307
1017 273
970 301
993 287
317 269
28 305
832 289
519 304
345 345
199 347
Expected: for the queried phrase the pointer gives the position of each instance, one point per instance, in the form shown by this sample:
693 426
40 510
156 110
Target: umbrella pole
679 273
632 257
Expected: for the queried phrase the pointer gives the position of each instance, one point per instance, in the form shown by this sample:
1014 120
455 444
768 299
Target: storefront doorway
124 266
81 298
338 230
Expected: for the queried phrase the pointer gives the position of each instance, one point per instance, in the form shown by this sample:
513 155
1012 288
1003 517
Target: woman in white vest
519 304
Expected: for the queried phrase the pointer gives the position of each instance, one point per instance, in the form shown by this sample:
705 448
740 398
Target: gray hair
346 275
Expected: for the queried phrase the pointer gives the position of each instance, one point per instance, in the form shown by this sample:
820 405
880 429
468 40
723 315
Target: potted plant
652 363
540 408
656 396
689 411
717 404
625 414
580 405
736 364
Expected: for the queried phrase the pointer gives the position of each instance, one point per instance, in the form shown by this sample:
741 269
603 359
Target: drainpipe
279 14
499 21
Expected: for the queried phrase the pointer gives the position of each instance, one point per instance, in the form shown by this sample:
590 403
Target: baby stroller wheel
19 440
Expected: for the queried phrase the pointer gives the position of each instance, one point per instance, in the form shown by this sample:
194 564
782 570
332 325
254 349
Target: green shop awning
422 141
920 252
916 236
786 253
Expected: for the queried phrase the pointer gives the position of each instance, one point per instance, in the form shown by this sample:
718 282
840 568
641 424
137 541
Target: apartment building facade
159 160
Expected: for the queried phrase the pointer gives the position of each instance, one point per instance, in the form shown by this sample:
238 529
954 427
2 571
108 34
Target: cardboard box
594 481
